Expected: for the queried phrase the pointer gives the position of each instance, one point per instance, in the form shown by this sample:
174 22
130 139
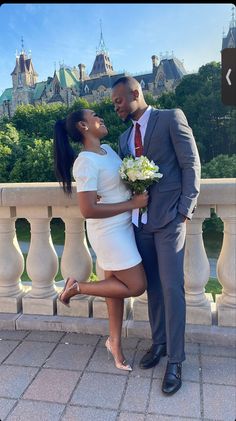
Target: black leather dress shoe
172 379
152 357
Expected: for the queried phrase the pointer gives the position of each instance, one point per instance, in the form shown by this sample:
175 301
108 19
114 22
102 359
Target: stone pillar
226 268
197 271
76 260
11 264
41 263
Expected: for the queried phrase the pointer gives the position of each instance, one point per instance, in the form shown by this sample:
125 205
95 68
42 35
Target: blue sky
70 33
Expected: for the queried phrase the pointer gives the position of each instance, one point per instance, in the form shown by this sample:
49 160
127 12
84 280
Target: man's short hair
129 81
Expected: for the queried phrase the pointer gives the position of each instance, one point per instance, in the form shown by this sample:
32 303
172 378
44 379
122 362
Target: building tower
102 64
229 41
24 79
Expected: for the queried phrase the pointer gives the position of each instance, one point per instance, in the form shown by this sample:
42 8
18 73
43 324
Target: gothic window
86 89
161 80
56 88
142 83
19 79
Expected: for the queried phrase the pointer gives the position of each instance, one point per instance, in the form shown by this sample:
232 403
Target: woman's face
95 124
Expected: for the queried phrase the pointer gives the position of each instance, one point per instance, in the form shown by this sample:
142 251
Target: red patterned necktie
138 141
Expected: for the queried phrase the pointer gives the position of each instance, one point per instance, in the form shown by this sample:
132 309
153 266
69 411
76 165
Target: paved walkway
67 376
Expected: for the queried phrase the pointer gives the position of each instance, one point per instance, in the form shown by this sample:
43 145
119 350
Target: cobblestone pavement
67 376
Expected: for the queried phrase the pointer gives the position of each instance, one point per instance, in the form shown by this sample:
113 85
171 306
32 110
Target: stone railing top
213 191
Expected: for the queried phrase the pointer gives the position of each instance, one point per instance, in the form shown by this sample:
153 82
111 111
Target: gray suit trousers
162 252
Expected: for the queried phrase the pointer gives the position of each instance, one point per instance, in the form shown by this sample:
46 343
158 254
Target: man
166 139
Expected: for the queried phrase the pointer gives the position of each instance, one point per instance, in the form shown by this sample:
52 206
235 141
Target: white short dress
112 238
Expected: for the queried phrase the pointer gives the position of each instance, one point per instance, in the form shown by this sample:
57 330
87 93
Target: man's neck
139 112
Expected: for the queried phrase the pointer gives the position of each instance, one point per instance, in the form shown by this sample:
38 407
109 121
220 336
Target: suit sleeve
188 158
120 153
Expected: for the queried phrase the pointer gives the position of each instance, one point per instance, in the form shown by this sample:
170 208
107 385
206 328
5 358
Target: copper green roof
67 78
38 90
7 95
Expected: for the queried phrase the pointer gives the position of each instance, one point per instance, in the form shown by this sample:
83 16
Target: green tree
223 166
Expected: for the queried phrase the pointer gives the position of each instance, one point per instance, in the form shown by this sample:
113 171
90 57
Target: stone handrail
40 202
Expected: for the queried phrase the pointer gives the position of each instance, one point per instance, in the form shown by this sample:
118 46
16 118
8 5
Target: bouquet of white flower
139 174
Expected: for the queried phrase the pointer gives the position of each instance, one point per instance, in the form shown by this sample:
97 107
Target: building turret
102 64
229 41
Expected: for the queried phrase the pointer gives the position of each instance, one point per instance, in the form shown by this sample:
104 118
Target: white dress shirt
143 121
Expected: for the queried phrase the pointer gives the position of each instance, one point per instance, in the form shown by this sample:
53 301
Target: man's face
124 101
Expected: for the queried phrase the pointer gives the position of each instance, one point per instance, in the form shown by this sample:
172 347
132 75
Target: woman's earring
86 128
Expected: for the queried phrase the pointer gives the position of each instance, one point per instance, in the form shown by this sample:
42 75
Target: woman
109 225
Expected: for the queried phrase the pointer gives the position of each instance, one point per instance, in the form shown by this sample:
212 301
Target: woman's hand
140 200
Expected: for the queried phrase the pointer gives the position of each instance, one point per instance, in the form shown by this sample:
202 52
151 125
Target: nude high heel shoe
69 292
121 366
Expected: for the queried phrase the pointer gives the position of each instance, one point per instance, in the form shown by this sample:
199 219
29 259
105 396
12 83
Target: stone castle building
68 83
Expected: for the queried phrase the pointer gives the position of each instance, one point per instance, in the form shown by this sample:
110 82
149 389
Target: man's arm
189 162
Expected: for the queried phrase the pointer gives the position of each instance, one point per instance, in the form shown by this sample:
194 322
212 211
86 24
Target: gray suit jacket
169 142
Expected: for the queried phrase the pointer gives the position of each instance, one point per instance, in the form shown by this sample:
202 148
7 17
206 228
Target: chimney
81 72
154 62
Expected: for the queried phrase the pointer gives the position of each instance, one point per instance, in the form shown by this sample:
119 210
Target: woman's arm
90 208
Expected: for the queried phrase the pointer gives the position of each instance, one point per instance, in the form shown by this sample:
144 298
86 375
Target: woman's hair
64 155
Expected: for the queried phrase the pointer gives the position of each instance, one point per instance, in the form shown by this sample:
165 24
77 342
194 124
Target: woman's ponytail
64 156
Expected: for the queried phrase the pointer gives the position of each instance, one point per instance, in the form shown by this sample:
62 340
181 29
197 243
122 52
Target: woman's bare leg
120 284
115 308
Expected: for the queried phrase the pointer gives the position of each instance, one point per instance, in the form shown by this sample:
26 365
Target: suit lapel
150 127
125 142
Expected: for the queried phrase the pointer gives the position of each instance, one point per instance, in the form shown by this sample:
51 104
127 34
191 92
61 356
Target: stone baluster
11 263
197 271
41 262
76 260
226 267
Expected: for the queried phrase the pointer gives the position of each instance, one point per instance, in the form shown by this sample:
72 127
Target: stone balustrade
39 203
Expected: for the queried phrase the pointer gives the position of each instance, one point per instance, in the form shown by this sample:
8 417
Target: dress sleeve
85 174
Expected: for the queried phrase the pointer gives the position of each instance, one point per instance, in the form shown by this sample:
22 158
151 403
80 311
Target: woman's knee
138 290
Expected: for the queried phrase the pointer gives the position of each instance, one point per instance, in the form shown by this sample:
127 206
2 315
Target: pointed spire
233 20
101 47
22 45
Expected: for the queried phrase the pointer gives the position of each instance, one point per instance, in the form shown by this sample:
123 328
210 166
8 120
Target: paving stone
191 348
16 335
52 385
133 399
70 357
127 343
80 339
170 418
131 416
36 411
30 354
14 380
6 347
88 414
219 351
219 403
100 362
219 370
100 390
139 371
145 344
45 336
186 402
5 406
